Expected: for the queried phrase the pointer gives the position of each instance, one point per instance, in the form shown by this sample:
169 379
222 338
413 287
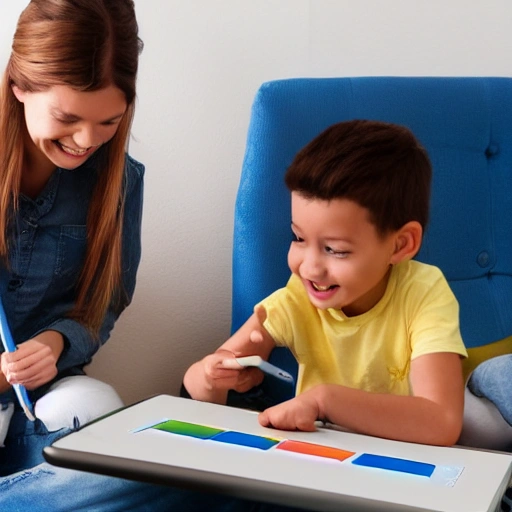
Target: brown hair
87 45
380 166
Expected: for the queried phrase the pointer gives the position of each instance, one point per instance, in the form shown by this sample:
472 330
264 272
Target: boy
375 334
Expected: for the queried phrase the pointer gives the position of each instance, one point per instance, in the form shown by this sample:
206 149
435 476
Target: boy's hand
222 374
299 413
210 379
256 335
35 361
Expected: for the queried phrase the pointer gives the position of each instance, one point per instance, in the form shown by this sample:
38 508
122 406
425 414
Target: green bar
188 429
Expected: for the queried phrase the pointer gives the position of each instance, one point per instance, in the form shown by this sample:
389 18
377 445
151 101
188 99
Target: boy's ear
407 242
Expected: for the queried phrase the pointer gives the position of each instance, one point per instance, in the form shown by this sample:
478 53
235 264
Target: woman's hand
35 361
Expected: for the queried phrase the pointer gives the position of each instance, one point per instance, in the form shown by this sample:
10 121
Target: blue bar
249 440
394 464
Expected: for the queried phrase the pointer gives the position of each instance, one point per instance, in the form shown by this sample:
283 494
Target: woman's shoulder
134 168
134 173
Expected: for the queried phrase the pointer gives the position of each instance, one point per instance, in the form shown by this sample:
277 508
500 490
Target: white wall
202 64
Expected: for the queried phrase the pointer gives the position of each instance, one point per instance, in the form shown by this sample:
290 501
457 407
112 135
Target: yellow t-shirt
417 315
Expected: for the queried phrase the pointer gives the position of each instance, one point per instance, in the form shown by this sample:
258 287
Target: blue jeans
492 379
24 444
47 488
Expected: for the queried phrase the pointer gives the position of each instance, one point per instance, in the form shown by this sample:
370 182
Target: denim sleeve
80 344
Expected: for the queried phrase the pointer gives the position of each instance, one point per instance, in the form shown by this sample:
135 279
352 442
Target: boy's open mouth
320 288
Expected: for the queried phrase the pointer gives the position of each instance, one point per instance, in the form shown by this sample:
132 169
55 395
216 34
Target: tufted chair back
466 126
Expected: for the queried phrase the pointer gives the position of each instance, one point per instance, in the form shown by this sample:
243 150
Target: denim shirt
47 255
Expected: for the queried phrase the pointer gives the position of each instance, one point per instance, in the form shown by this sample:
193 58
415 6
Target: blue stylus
265 366
9 346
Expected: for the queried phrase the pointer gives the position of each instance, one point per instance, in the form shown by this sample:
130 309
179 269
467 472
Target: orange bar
314 449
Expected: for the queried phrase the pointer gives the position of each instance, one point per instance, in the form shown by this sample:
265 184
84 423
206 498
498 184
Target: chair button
483 259
492 150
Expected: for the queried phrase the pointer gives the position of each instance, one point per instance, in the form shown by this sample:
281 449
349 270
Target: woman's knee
74 401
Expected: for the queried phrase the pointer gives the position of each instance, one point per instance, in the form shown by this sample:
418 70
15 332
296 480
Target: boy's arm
432 416
209 380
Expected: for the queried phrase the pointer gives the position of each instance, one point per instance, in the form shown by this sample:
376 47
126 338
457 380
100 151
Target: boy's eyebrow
67 116
331 238
340 239
292 225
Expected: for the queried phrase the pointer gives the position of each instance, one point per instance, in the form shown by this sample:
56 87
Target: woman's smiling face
66 126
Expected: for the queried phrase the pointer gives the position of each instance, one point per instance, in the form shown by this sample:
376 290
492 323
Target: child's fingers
264 420
231 364
256 337
261 314
249 378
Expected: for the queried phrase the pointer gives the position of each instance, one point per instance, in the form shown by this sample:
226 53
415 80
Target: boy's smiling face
341 259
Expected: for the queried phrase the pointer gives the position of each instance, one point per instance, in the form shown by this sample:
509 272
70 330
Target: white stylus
260 363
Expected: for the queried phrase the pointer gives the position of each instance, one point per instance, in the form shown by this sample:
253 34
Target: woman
70 211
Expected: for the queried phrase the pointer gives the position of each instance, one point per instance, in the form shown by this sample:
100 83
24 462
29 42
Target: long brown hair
87 45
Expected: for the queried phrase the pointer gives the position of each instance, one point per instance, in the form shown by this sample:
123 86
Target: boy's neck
370 299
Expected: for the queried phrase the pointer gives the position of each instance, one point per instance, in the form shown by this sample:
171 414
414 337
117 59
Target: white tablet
210 447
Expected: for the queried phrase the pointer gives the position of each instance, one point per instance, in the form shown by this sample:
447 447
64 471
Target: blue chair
466 126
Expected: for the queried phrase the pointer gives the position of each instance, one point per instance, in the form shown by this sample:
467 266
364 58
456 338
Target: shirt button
14 284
